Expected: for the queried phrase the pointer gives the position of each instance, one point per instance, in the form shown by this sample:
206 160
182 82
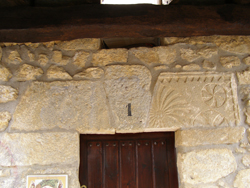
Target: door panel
145 160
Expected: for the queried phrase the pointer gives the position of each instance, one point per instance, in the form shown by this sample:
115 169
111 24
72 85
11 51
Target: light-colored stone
28 72
43 59
32 45
242 179
208 65
244 77
247 113
161 67
178 66
205 166
240 150
127 88
196 137
59 59
80 58
230 61
24 149
4 173
207 52
79 105
246 160
191 67
93 72
194 100
14 58
80 44
5 74
246 60
148 55
7 93
55 72
189 54
167 55
248 136
31 56
49 45
5 117
200 186
107 56
1 53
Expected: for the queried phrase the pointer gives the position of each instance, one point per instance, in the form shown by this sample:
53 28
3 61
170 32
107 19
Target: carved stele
194 100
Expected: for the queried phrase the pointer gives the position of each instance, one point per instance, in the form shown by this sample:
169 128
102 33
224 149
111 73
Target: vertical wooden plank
128 164
83 176
144 164
94 164
160 163
111 164
171 155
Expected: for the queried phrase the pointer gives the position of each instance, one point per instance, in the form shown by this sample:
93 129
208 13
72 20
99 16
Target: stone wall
198 87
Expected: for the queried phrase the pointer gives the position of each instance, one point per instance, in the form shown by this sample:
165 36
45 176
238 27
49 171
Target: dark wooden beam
32 24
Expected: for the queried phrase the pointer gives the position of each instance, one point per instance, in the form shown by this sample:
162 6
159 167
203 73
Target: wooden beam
33 24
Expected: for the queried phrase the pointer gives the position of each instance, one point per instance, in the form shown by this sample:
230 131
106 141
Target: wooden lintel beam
36 24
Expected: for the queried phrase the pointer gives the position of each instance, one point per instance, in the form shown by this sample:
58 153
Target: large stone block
205 166
5 74
80 44
230 61
228 135
193 100
242 179
5 117
79 105
24 149
28 72
55 72
129 97
244 77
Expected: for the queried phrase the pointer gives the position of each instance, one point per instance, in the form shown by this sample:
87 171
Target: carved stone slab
194 100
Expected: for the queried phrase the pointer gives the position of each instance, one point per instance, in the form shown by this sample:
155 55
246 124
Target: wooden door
146 160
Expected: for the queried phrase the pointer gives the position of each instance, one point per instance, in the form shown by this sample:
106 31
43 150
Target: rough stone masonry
198 87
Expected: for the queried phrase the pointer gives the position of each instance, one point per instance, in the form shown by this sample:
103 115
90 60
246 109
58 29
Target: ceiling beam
34 24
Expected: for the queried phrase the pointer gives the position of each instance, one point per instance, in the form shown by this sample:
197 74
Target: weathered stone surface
80 44
189 54
167 55
49 45
205 166
244 77
191 67
43 59
59 59
208 65
247 113
4 173
31 56
32 45
107 56
79 105
1 53
5 117
240 150
193 100
246 160
207 51
93 72
246 60
14 58
228 135
147 55
161 67
80 58
242 179
5 74
28 72
55 72
230 61
7 93
200 186
129 97
248 135
24 149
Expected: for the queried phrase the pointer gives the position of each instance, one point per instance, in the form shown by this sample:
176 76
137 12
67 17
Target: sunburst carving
168 105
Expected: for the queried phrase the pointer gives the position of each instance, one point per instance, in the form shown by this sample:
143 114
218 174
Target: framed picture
47 181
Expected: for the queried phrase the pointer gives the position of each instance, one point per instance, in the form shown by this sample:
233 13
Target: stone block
246 160
244 77
55 72
246 60
43 59
93 72
28 72
167 55
5 117
25 149
59 59
7 93
147 55
230 61
194 100
31 56
204 52
208 65
107 56
80 59
5 173
5 74
205 166
189 54
127 88
242 179
78 105
14 58
1 53
80 44
196 137
191 67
